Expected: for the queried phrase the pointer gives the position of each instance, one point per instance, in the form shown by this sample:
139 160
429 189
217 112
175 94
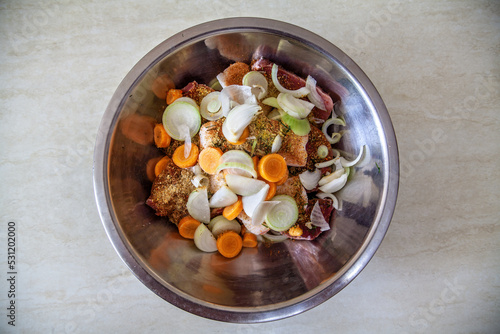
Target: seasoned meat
292 81
170 192
233 75
196 91
309 231
294 188
263 130
247 221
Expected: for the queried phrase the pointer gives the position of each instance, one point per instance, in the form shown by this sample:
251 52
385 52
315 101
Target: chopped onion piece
347 163
258 82
271 101
237 168
301 92
223 225
293 106
197 205
313 95
334 137
188 100
183 129
200 180
275 238
322 151
252 201
179 114
318 219
327 163
238 119
222 79
211 106
334 185
222 198
310 179
335 175
278 140
335 203
214 220
260 212
242 185
204 239
301 127
284 215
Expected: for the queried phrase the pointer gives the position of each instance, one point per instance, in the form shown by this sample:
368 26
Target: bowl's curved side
384 152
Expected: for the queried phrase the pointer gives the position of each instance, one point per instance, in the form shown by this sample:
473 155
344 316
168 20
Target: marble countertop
436 65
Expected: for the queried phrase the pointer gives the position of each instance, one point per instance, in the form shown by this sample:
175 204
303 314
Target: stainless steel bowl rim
124 249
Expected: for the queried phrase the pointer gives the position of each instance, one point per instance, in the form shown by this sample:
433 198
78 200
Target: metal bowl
269 282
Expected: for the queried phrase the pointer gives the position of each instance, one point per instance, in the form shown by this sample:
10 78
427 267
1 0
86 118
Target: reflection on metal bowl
268 282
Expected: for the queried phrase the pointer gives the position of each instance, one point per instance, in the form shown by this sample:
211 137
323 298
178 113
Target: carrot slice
249 240
173 94
283 180
255 162
150 168
272 167
229 244
160 165
187 226
271 192
243 137
183 162
209 159
162 138
232 211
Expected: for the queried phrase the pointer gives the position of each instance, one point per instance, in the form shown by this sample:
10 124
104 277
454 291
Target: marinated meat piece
264 130
170 192
293 188
196 91
233 75
247 221
292 81
309 231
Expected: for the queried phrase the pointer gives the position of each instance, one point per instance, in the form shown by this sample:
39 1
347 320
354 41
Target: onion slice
198 206
238 119
301 92
313 95
278 140
223 225
237 168
252 201
258 82
284 215
310 179
242 185
211 106
334 185
346 163
275 238
204 239
260 212
335 203
222 198
318 219
293 106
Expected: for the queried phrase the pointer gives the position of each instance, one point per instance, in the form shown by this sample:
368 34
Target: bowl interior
267 282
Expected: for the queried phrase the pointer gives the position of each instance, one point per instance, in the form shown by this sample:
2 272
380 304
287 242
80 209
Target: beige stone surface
436 65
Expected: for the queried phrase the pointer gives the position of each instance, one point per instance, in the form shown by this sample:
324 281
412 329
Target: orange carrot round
272 167
160 165
187 226
243 137
173 94
283 180
249 240
183 162
162 138
271 192
150 168
229 244
209 159
232 211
